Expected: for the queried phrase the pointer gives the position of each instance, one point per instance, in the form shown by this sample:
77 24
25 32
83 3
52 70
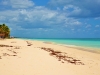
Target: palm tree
4 29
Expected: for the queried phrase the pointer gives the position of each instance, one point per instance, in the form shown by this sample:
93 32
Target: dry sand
25 57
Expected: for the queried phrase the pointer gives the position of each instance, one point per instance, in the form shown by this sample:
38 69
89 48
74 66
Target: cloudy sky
52 18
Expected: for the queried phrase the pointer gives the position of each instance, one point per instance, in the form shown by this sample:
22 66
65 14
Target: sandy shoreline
26 57
89 49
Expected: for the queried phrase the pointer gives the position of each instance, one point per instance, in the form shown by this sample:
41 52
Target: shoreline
71 44
89 49
31 57
83 48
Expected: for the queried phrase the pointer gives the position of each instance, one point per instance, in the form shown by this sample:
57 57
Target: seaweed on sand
62 56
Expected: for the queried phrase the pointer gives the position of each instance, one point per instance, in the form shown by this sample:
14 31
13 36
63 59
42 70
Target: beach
27 57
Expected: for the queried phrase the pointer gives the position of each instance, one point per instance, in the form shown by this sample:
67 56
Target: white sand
30 60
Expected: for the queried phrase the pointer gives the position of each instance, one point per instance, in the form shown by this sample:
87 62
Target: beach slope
26 57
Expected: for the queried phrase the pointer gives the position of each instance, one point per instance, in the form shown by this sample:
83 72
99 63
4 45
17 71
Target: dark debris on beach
6 54
62 56
0 57
5 45
16 47
28 43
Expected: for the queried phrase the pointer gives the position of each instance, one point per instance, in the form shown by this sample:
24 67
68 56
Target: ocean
82 42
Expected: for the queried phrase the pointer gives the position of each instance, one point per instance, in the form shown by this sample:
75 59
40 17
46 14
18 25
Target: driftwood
62 56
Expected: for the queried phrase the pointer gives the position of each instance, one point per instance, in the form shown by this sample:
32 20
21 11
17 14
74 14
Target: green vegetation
4 31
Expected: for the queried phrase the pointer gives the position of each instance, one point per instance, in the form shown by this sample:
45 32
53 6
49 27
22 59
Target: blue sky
52 18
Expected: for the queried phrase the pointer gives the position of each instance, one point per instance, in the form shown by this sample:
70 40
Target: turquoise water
83 42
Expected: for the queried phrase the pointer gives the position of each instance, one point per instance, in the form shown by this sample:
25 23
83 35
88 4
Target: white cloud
21 3
59 2
70 7
77 23
97 26
79 8
14 19
97 18
58 8
4 2
2 18
88 26
73 22
9 13
72 10
72 29
41 19
18 3
38 17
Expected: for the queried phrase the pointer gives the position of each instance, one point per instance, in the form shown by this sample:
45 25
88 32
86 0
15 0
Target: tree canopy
4 30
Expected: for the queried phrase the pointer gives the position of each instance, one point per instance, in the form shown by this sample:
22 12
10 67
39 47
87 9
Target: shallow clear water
84 42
